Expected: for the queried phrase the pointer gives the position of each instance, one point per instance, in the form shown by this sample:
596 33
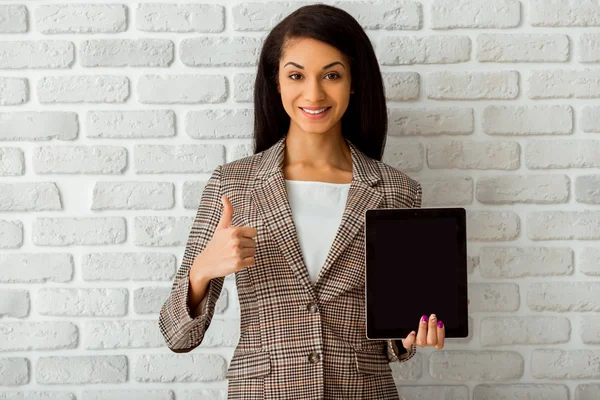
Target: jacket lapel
269 195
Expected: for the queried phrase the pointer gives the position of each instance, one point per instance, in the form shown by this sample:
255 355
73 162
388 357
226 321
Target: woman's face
314 75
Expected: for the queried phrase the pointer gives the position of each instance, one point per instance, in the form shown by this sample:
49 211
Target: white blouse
317 209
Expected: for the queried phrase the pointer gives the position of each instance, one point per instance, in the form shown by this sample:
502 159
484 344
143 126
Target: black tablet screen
415 266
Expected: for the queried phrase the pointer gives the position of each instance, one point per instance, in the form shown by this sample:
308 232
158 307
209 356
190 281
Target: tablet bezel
459 214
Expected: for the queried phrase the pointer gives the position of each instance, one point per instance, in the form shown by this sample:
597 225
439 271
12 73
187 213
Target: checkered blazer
298 340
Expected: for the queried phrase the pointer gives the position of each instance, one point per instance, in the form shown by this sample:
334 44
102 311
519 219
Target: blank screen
416 267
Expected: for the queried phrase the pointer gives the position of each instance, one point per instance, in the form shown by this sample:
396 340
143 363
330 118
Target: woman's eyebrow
325 67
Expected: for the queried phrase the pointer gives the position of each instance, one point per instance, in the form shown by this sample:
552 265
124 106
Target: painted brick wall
113 115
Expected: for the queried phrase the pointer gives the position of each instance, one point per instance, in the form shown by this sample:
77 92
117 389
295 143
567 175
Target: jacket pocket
372 363
249 365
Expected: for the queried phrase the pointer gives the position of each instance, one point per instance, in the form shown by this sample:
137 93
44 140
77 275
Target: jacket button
312 308
314 357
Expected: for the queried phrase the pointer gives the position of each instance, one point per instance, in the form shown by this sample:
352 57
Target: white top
317 209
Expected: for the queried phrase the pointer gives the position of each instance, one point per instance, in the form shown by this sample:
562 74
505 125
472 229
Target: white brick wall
112 115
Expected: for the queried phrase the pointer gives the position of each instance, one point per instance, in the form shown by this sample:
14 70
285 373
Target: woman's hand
230 249
431 333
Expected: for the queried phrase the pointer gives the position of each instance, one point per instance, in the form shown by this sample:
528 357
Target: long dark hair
365 121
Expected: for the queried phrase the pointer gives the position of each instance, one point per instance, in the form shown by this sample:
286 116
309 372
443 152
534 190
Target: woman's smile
315 114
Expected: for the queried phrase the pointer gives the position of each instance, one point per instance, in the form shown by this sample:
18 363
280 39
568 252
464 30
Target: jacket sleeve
181 331
392 355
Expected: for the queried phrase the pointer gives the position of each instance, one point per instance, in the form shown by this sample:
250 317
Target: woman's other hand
431 332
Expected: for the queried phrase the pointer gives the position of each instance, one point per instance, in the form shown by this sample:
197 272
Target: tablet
416 264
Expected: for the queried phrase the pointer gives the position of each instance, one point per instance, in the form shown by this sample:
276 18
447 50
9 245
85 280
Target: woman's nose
314 92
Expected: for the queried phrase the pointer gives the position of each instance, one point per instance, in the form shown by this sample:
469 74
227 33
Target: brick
81 370
207 394
564 296
567 13
39 125
191 193
11 234
388 15
15 371
149 300
38 196
13 19
256 17
404 156
522 48
447 191
243 87
457 154
133 195
156 159
134 394
589 47
401 86
12 161
82 302
132 124
515 262
589 391
47 335
501 85
14 303
122 334
222 332
179 368
546 154
522 390
79 159
36 54
67 231
39 395
220 51
586 189
528 120
438 49
36 267
563 225
182 89
564 84
501 331
589 264
590 119
128 266
408 371
13 91
162 231
450 14
239 151
430 121
220 123
523 189
494 297
476 365
126 53
590 330
81 18
156 17
559 364
434 392
83 89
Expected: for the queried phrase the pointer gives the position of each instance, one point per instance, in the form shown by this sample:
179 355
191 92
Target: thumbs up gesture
230 249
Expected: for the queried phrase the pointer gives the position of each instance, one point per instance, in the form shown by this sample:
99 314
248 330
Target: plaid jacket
297 340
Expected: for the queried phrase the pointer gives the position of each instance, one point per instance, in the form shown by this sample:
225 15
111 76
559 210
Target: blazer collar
269 195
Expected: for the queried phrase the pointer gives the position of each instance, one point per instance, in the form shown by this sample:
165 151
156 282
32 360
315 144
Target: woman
289 222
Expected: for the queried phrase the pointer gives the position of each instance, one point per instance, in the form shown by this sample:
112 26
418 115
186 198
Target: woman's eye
329 74
294 75
334 74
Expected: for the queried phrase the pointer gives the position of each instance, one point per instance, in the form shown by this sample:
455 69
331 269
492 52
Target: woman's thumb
225 221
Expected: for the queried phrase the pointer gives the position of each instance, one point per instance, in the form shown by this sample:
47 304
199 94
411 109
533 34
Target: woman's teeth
315 111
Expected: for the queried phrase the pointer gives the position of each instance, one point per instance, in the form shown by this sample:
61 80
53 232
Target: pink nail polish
424 319
440 324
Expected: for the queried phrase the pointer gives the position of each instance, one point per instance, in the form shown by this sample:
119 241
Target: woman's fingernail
413 333
432 317
440 324
424 319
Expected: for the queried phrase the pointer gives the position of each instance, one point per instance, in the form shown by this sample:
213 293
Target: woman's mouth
316 114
